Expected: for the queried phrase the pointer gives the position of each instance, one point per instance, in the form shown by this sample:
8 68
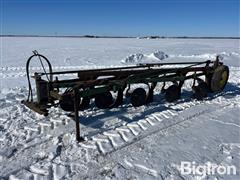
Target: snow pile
133 58
145 58
159 55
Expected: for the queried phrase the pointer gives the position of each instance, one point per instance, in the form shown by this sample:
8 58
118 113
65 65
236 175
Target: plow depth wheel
219 78
104 100
172 93
138 97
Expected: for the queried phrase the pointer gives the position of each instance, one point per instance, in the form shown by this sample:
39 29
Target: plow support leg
76 115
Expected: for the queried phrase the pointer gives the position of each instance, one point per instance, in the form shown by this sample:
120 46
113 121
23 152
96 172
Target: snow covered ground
148 142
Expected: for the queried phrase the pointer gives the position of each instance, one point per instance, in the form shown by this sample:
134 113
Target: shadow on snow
121 114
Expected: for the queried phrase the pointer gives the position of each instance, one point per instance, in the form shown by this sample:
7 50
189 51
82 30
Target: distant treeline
144 37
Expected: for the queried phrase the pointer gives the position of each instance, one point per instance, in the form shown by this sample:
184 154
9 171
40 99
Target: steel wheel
219 78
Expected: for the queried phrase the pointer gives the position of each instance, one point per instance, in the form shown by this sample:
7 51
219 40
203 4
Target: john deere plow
75 94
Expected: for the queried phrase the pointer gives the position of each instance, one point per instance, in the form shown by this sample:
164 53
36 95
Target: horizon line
109 36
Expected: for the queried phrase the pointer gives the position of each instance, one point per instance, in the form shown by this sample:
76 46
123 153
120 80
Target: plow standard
75 94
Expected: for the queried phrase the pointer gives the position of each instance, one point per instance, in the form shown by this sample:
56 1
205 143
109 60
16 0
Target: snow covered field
148 142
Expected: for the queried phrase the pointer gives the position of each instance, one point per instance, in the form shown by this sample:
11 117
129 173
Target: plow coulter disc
118 101
200 91
84 103
172 93
138 97
104 100
219 78
67 103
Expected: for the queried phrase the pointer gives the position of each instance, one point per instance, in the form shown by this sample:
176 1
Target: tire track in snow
16 72
156 129
39 68
52 123
20 72
140 168
118 138
120 134
133 132
111 141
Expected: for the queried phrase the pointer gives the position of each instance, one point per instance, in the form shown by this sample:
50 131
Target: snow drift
207 55
145 58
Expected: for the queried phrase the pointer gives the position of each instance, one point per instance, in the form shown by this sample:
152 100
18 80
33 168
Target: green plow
75 94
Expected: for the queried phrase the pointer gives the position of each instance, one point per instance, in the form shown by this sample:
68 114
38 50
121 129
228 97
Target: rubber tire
172 93
138 97
217 81
104 100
